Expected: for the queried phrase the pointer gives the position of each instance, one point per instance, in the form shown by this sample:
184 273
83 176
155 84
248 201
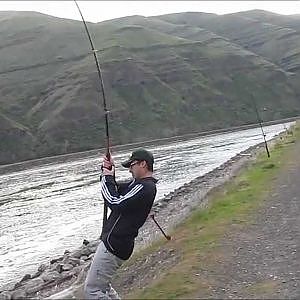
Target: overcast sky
96 11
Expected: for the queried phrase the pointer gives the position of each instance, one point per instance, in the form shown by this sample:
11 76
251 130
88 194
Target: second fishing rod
259 120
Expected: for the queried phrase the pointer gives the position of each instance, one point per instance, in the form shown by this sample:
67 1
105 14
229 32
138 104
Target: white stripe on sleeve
118 200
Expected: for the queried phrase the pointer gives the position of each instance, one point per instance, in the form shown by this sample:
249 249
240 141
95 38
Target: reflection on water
47 209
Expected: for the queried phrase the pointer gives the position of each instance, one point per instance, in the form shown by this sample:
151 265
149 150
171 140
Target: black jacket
130 204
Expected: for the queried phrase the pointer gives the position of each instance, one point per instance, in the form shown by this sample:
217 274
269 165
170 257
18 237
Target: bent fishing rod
106 112
260 124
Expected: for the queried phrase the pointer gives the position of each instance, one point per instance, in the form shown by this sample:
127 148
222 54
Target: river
47 209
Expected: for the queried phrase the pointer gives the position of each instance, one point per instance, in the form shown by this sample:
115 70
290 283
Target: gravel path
262 261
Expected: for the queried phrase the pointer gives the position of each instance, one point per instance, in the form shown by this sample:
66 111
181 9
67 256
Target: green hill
274 37
163 76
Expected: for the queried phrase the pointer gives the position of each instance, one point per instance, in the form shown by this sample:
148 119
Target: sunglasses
132 164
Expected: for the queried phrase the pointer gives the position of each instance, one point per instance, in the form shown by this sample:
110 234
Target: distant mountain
274 37
291 21
163 76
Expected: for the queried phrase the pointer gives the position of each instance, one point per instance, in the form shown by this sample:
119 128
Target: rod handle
164 234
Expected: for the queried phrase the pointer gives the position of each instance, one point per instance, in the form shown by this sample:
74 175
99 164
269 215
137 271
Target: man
130 204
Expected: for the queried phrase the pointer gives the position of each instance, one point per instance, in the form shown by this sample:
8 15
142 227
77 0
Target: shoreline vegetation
196 215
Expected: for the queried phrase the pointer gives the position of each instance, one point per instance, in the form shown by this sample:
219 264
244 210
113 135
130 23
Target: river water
47 209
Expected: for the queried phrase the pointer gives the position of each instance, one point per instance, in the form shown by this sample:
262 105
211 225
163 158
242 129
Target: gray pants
98 280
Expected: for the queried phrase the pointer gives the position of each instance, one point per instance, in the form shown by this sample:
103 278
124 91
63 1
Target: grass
261 289
198 237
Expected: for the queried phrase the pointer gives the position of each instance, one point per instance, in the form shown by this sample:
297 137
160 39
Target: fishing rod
260 124
162 231
106 112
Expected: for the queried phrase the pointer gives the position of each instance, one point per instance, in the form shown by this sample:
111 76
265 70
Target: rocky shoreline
70 269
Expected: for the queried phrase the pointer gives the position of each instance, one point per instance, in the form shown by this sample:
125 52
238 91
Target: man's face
138 168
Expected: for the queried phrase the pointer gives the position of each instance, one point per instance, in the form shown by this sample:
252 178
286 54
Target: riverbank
173 209
243 246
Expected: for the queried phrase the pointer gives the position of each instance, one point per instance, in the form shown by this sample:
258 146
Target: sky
97 11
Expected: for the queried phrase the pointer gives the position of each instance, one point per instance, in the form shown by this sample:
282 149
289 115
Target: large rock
34 285
55 260
82 251
67 267
74 261
26 278
76 254
50 276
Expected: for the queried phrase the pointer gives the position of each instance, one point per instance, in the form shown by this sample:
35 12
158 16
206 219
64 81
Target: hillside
163 76
272 36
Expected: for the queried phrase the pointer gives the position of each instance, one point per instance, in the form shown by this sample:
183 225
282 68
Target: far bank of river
14 167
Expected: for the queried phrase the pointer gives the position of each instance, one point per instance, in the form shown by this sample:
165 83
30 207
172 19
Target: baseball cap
140 155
